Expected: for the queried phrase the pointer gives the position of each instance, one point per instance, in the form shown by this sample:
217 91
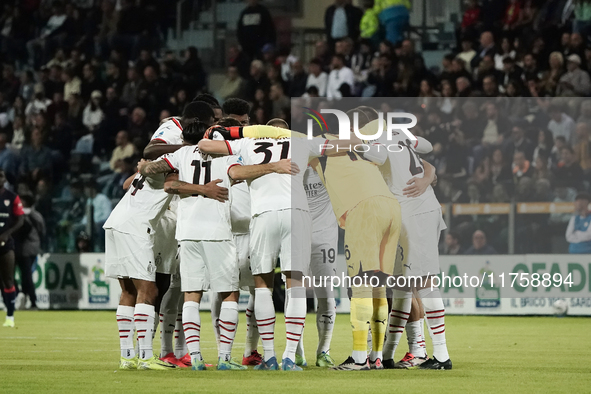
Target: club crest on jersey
7 202
151 268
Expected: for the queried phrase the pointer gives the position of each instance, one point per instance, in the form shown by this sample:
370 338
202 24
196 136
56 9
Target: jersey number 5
263 147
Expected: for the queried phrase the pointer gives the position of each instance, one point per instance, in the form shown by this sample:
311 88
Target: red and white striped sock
435 314
180 345
228 323
414 338
144 316
126 330
252 331
192 328
264 311
401 304
295 318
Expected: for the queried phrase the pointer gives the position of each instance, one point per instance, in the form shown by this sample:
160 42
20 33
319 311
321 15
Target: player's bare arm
417 186
148 168
214 147
128 181
155 149
242 173
211 189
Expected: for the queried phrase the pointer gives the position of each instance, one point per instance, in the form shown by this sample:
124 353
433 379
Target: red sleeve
17 207
229 147
236 132
324 148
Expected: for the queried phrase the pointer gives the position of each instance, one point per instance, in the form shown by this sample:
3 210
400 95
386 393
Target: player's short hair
197 110
229 122
236 106
583 196
194 132
207 98
278 122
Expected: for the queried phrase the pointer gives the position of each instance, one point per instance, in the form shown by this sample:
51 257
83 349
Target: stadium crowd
85 83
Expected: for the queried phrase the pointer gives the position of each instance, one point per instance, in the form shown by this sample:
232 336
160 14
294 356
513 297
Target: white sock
374 355
168 316
192 328
144 316
359 356
414 338
401 305
325 316
126 330
422 341
265 315
180 345
216 304
435 314
228 323
252 331
295 318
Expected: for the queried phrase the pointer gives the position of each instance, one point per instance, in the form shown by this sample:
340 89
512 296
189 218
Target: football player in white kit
422 223
280 227
167 139
131 230
208 254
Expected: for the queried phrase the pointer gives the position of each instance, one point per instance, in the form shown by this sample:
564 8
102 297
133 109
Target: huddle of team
223 201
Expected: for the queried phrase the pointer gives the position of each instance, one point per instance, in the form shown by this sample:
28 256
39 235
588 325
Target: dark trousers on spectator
25 265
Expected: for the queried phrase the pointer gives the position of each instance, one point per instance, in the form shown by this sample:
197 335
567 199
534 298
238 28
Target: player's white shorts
208 264
323 260
165 244
243 259
128 256
286 234
418 253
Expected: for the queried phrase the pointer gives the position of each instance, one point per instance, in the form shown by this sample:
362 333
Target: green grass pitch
78 352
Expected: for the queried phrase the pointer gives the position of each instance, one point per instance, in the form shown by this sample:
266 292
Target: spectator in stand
467 54
93 114
138 127
452 245
130 26
469 28
551 77
39 102
36 158
521 166
71 83
394 16
193 71
233 85
575 82
339 75
487 48
131 87
237 58
255 28
258 80
583 147
29 240
8 160
569 171
58 105
519 142
578 231
279 100
342 20
479 245
101 210
541 169
107 29
298 80
18 134
53 34
317 77
60 139
90 82
122 150
561 124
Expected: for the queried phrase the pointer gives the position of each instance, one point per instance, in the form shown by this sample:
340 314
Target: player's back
169 132
142 205
240 209
318 200
273 192
200 217
404 164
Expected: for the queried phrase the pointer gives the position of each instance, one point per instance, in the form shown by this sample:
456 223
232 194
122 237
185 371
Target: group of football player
217 205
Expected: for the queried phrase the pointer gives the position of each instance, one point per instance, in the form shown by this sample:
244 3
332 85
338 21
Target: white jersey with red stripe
200 218
240 210
404 164
169 132
318 201
276 192
141 207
